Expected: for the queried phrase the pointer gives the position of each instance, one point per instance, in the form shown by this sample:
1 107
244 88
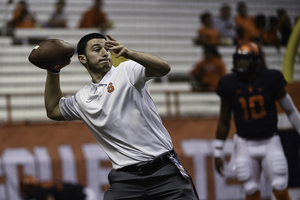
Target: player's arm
287 104
52 96
221 134
224 120
154 65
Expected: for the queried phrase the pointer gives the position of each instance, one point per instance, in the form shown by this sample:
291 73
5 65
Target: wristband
54 72
218 144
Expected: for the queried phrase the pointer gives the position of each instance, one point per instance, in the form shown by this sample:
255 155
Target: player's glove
218 150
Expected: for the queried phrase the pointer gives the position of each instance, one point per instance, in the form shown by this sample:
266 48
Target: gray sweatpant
166 183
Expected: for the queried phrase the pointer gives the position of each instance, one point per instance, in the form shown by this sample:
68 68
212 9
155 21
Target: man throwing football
119 111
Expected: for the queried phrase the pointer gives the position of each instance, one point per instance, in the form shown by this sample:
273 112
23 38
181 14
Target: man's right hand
57 68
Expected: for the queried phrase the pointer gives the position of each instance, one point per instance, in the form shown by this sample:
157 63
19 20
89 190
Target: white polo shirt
121 115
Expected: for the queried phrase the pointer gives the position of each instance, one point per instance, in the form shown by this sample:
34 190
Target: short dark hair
83 41
212 49
280 12
273 21
204 16
241 4
225 6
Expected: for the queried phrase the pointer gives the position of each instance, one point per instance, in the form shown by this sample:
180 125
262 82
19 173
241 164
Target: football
51 54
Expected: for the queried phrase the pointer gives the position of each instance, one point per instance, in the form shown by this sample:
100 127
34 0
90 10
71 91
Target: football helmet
247 58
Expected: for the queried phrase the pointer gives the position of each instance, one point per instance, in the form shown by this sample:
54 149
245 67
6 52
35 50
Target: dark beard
92 66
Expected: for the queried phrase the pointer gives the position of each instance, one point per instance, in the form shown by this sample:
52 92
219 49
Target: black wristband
54 72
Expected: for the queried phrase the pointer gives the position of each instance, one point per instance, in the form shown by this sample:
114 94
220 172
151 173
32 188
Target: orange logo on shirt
110 87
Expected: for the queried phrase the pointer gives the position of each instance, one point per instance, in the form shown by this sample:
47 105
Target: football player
251 92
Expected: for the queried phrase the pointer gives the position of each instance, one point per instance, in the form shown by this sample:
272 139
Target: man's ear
82 59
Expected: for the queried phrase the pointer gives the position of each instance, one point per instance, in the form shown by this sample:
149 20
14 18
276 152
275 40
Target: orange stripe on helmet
247 47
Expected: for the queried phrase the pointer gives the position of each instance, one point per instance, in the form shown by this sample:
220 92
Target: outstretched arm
52 96
154 65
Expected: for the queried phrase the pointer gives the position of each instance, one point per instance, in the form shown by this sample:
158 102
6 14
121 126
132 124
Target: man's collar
105 80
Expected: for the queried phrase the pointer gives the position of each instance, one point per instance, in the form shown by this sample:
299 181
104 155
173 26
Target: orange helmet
246 58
